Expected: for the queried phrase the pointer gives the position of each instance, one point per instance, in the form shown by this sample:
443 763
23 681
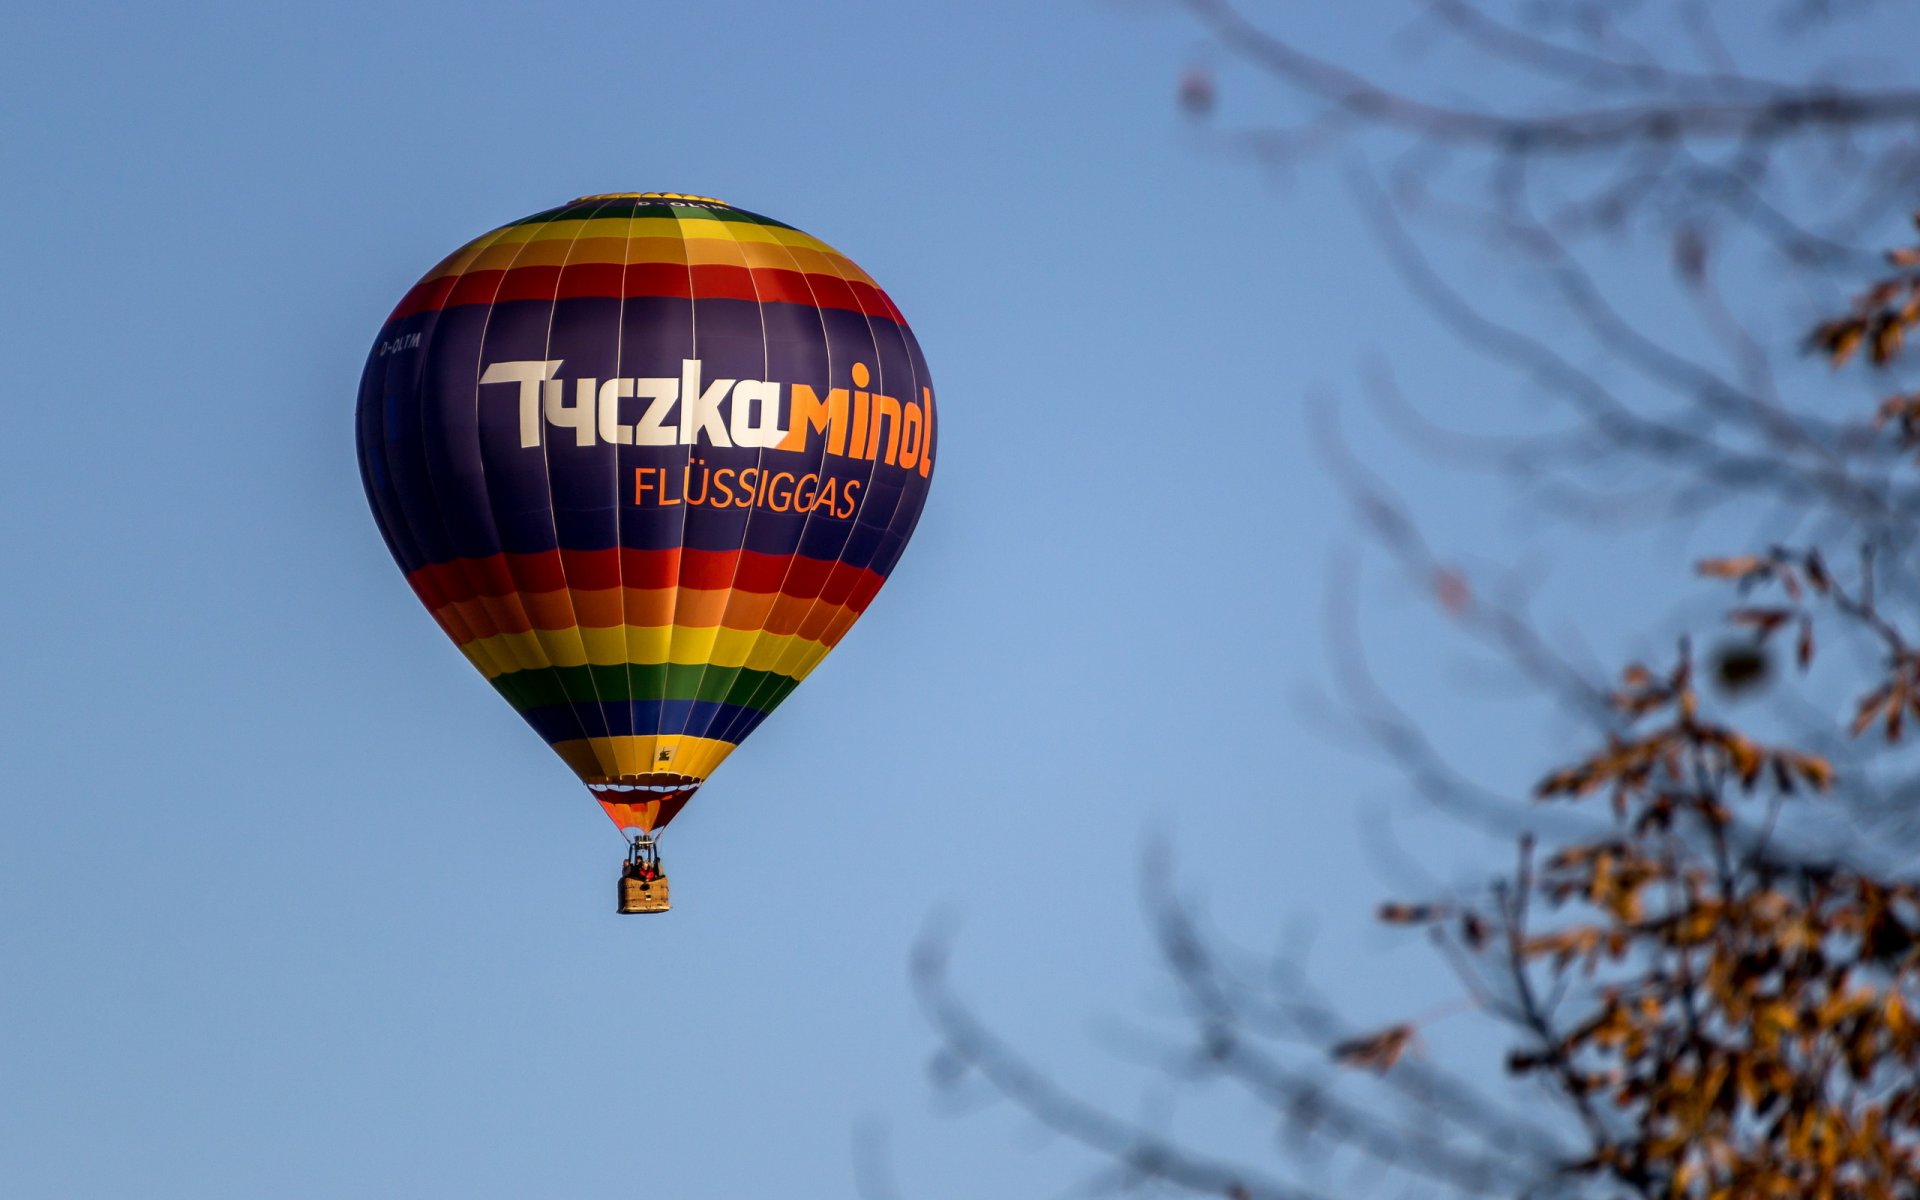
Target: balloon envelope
646 457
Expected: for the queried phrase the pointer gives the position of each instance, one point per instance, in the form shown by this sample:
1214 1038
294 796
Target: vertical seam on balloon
457 618
406 530
619 510
680 555
911 346
514 601
726 732
507 558
560 555
795 647
490 605
746 527
457 561
875 387
493 605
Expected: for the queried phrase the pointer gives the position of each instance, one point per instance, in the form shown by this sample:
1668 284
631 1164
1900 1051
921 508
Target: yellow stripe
666 227
554 254
662 251
697 251
460 260
763 244
608 759
793 661
646 645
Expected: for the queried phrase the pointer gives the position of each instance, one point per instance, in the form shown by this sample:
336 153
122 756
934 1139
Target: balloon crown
648 196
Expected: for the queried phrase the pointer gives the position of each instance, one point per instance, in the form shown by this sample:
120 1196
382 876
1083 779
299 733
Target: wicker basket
643 895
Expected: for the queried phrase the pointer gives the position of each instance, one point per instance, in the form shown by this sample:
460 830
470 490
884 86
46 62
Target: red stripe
802 578
617 281
783 287
425 296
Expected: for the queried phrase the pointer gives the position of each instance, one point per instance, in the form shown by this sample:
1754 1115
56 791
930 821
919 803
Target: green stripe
648 208
540 688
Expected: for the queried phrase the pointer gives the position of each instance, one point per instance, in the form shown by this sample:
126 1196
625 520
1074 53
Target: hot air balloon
646 457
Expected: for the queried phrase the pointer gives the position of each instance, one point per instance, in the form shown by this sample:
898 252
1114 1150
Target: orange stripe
609 608
630 251
510 575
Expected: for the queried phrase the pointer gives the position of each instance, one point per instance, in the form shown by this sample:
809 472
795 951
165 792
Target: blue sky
295 906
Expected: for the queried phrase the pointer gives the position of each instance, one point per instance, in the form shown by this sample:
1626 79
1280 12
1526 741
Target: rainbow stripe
630 247
643 641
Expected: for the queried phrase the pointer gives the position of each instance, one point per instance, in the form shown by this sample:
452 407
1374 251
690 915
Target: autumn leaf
1887 337
1871 706
1394 913
1763 620
1839 339
1741 567
1817 771
1377 1052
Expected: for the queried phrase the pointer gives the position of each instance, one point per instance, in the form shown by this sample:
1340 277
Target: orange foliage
1730 1021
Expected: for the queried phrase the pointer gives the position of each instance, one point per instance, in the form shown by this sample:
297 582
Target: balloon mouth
649 786
650 196
644 802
